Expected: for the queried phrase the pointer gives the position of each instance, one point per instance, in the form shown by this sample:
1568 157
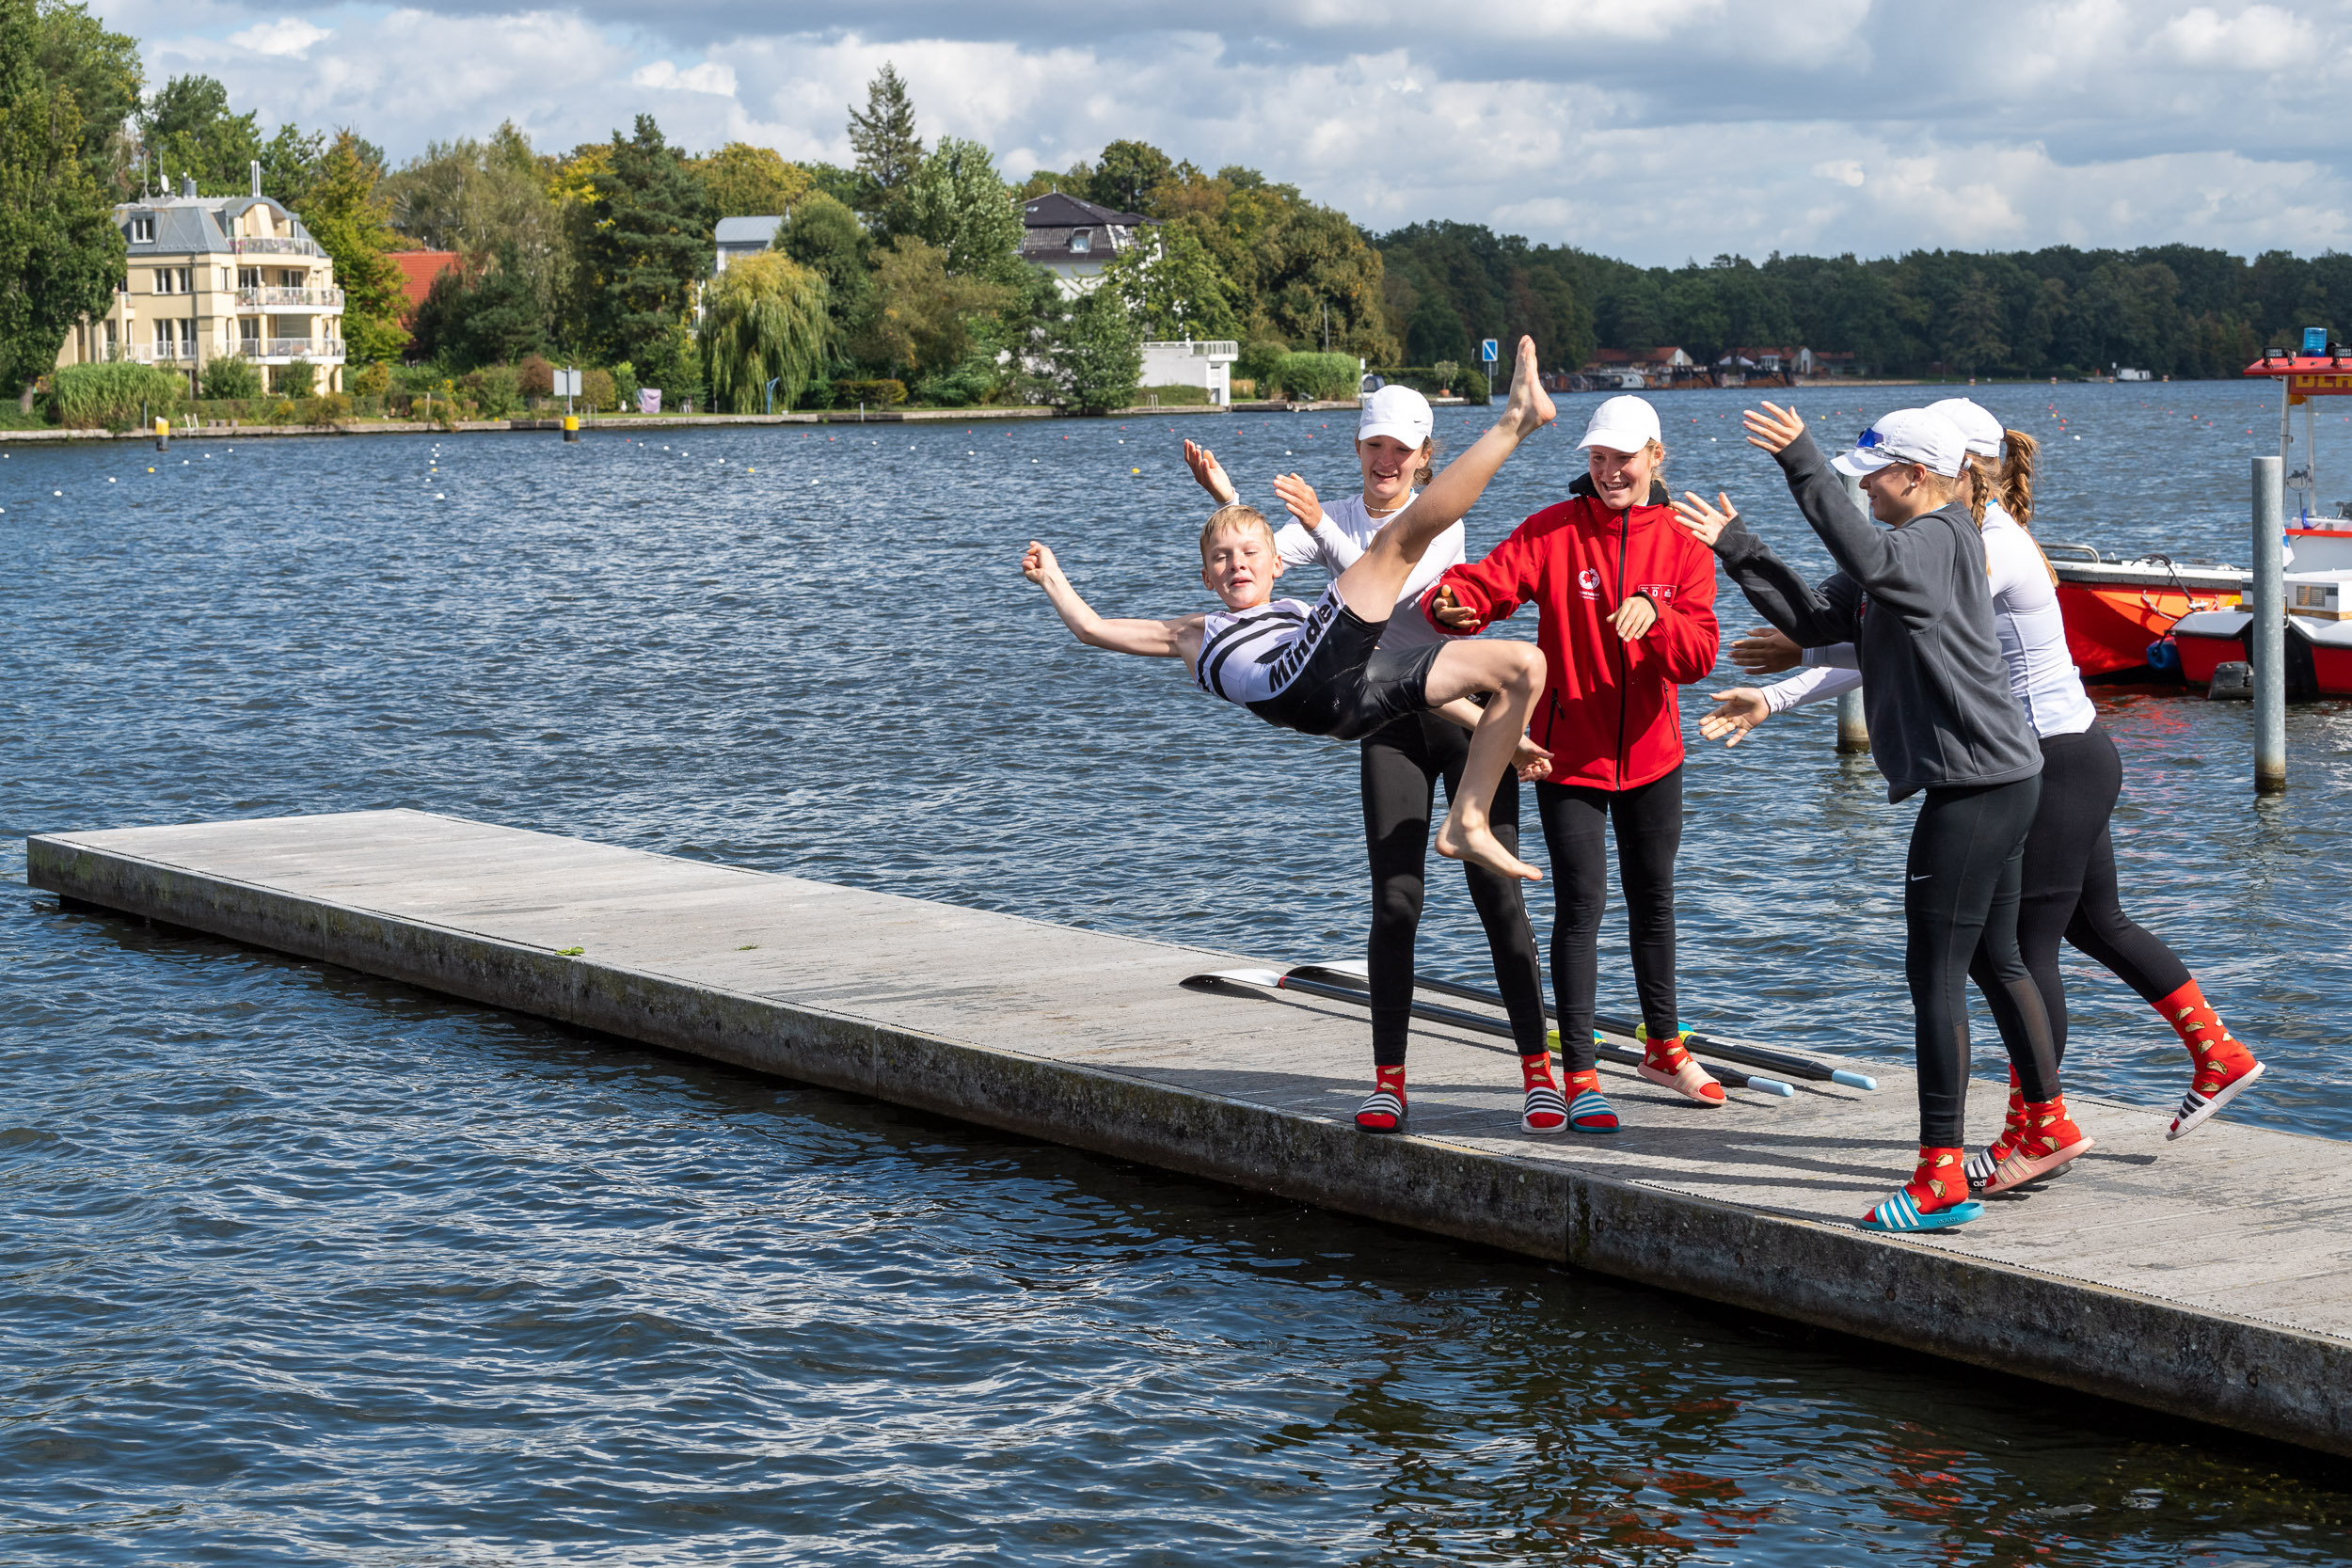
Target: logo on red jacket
1589 581
1661 591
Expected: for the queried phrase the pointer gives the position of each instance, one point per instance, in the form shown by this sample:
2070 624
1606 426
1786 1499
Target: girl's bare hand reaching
1737 712
1299 497
1210 473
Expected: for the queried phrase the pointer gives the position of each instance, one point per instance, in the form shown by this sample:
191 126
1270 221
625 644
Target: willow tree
763 319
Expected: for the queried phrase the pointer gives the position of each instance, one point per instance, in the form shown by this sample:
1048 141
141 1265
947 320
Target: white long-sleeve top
2026 616
1346 534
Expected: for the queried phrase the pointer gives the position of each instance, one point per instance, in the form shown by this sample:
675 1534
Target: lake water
303 1267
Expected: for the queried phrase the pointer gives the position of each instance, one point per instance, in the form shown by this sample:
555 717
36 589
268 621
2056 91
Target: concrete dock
2210 1278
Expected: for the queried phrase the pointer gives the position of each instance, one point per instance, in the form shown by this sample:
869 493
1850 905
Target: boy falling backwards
1316 669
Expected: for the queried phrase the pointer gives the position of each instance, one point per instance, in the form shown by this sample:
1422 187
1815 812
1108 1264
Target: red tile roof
418 269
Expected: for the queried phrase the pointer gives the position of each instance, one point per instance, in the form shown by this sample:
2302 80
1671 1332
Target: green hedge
1465 382
113 396
1317 377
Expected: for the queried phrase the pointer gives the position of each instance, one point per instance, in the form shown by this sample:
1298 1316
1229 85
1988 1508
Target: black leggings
1647 820
1402 763
1959 912
2069 890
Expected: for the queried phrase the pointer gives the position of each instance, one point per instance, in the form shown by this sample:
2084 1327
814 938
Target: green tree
955 200
763 319
825 236
231 376
1096 353
747 181
649 248
920 320
187 129
505 318
882 136
476 198
293 163
102 71
1173 287
350 218
59 250
1127 178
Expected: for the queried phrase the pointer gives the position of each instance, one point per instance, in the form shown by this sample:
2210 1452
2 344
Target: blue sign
2314 340
1487 349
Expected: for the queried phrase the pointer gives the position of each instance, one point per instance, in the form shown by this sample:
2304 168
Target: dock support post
1854 733
163 433
2270 631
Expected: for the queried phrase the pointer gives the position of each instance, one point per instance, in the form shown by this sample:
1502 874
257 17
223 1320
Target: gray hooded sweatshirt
1917 606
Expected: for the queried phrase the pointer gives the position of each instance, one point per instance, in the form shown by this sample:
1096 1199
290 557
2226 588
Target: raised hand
1210 473
1530 408
1766 651
1037 563
1703 522
1635 617
1737 712
1772 429
1299 497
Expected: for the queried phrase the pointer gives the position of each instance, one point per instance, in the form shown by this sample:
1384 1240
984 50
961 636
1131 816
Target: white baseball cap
1395 411
1622 424
1906 435
1982 432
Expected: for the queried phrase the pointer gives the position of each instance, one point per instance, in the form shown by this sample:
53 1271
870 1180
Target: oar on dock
1257 981
1354 975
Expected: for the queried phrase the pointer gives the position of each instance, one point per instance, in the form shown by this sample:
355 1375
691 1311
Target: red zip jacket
1609 713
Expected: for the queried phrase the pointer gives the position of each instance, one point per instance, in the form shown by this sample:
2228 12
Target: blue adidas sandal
1590 1112
1898 1212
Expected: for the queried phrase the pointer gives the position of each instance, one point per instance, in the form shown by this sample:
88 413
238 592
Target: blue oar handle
1771 1085
1853 1080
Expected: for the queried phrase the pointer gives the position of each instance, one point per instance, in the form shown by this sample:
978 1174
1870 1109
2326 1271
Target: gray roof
199 225
748 232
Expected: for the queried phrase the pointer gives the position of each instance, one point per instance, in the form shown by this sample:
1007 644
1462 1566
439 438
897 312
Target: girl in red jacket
1627 603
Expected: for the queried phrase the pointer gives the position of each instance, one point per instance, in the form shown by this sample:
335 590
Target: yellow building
214 276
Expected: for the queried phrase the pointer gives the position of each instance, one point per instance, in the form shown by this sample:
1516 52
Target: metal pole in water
1853 732
163 433
2270 628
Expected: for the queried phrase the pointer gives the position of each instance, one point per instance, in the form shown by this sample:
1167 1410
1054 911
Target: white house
1074 239
1207 364
740 237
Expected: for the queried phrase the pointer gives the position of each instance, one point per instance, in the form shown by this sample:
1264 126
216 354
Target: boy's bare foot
1530 408
1479 847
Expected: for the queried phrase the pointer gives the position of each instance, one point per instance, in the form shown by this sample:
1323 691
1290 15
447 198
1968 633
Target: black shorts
1349 688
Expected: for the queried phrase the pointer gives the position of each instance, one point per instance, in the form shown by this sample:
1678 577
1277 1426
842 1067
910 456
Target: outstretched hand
1766 651
1772 429
1450 612
1530 408
1210 473
1037 563
1703 522
1300 498
1737 712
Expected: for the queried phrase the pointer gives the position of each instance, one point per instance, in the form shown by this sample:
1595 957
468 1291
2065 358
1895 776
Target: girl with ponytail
2071 891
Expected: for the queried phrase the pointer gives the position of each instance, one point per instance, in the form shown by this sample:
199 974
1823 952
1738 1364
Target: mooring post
2269 630
1853 732
163 433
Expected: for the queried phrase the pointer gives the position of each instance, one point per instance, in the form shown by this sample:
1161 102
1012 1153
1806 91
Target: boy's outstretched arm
1175 639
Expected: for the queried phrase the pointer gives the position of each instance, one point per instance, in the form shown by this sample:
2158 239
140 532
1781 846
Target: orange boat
2119 614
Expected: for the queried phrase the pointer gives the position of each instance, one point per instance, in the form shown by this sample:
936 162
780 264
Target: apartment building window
166 338
249 278
111 350
187 337
142 231
249 335
290 279
173 280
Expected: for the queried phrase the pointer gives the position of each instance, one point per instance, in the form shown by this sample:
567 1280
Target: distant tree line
899 276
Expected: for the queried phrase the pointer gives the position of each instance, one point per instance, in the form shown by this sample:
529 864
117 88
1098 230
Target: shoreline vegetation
899 281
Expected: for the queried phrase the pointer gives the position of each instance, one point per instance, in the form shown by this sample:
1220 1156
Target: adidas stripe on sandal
1381 1103
1898 1212
2197 1108
1544 1100
1590 1112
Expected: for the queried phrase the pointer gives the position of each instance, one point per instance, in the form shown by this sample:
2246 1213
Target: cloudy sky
1656 130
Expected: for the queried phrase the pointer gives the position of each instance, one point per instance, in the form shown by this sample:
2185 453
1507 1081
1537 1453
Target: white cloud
1651 129
287 36
710 76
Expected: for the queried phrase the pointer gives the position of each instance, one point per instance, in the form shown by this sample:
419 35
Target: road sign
567 384
1486 350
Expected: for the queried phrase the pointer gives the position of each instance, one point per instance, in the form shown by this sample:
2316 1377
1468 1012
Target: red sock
1536 1072
2047 1128
2217 1057
2011 1128
1663 1052
1392 1079
1938 1184
1579 1081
